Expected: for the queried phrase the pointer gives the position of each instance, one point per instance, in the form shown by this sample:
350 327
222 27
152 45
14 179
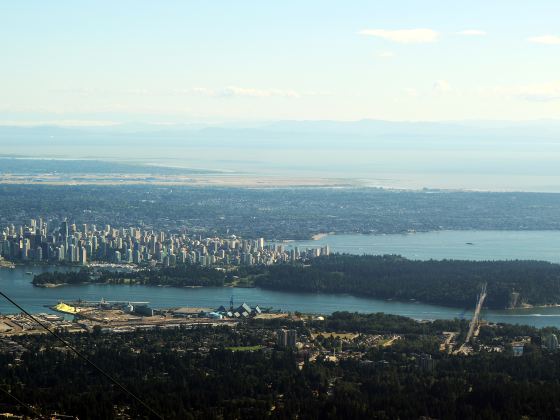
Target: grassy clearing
245 348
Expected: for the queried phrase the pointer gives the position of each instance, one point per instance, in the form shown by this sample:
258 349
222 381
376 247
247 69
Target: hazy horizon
490 156
400 95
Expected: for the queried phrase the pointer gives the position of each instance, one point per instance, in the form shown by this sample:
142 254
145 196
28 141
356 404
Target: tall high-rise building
292 338
551 342
25 249
64 230
286 338
38 254
70 253
5 249
83 255
282 338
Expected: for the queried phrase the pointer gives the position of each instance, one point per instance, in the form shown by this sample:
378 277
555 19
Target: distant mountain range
486 155
294 133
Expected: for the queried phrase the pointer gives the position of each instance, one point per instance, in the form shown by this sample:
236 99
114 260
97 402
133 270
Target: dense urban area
133 255
65 242
246 361
280 213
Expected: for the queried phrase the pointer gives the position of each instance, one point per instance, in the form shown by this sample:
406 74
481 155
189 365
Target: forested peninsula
179 276
454 283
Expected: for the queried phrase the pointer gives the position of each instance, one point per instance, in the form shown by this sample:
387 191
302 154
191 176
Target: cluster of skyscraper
38 241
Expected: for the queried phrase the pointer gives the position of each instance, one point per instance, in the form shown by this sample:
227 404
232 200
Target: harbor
121 316
17 284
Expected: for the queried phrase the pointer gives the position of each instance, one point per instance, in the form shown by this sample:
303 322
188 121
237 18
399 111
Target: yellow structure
67 309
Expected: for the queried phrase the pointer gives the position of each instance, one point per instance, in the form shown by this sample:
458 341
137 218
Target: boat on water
29 273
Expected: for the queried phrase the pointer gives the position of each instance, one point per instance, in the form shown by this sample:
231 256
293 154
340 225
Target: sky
186 62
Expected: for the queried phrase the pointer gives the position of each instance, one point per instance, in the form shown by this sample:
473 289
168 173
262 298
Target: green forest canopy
446 282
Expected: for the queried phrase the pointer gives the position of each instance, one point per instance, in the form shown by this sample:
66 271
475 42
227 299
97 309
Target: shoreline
319 236
521 309
230 286
49 285
528 306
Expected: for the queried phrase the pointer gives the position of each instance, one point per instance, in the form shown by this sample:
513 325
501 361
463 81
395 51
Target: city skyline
65 242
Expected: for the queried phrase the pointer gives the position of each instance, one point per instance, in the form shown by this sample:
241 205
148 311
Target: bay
17 284
447 244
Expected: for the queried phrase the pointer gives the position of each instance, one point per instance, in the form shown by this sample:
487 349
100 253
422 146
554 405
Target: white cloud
545 39
235 91
386 54
200 91
138 91
258 93
316 93
472 32
89 91
412 92
404 36
543 92
441 86
84 91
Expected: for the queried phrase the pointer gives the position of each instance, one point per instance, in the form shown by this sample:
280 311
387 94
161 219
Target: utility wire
83 357
29 407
